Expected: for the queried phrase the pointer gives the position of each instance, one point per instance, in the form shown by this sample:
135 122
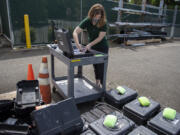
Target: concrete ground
154 70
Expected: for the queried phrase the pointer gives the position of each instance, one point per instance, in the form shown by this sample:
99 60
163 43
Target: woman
96 26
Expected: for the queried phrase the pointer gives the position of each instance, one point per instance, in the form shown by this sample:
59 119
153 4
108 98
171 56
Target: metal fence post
10 24
0 25
27 31
174 22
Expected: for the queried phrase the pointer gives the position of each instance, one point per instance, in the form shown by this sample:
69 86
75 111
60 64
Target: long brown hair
95 10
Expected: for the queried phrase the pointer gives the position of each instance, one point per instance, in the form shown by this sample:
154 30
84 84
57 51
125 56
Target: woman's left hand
88 47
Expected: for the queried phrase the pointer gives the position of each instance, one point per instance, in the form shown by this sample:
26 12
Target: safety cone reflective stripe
43 72
44 84
42 106
43 81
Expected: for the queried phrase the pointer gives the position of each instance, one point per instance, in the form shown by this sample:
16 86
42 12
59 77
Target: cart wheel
54 89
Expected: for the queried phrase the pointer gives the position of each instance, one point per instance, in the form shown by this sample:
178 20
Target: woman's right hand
79 46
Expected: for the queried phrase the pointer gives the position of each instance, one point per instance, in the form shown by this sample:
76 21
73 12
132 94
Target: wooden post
143 5
120 12
174 22
143 8
161 8
119 16
164 17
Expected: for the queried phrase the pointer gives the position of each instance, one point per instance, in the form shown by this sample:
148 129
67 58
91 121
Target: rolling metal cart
77 85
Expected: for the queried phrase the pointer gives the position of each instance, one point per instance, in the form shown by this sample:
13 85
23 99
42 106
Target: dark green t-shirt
93 32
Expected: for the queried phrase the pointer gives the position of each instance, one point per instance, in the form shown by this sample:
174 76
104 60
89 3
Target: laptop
68 46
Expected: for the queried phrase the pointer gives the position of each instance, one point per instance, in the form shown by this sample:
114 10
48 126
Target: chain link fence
67 14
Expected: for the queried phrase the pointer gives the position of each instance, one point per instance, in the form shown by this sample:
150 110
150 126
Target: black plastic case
88 117
163 126
107 109
6 109
118 100
139 114
88 132
13 130
60 118
27 96
97 112
124 126
141 130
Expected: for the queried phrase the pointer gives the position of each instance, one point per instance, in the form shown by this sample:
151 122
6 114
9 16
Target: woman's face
97 17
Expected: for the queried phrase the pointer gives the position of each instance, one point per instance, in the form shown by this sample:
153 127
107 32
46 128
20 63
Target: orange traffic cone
44 84
42 106
30 75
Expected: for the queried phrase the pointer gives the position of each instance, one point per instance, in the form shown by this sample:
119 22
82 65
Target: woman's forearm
76 40
75 36
97 40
